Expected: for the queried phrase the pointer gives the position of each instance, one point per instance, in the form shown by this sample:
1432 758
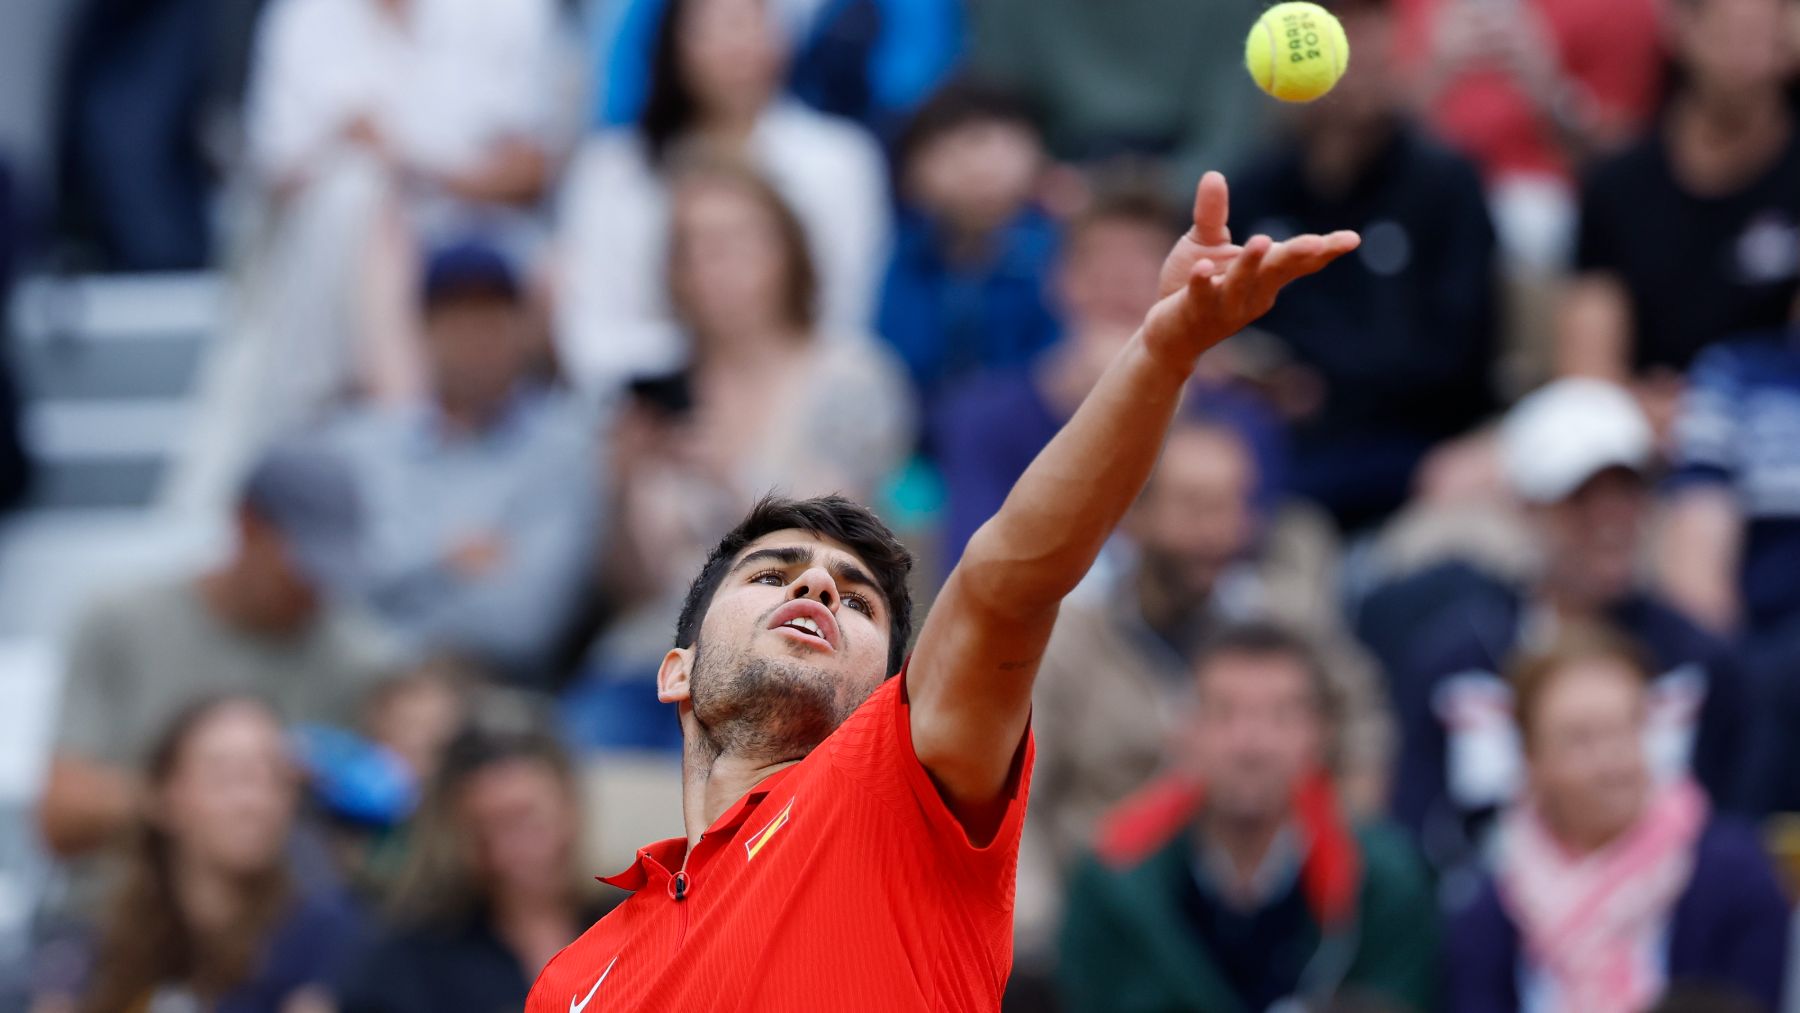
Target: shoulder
137 608
1388 854
1478 923
1669 633
1144 824
1430 159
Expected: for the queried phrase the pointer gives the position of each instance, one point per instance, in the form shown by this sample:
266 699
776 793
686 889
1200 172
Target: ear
672 677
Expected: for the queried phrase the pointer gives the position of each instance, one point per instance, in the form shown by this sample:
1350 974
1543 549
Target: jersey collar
663 857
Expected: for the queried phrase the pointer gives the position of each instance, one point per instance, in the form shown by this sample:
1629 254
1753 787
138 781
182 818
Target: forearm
1040 544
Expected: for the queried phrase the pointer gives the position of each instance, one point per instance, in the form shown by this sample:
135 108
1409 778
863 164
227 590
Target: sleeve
92 692
874 748
1397 959
290 112
1706 430
1758 950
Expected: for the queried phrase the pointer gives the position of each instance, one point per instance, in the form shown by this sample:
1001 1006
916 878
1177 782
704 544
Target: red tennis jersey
842 882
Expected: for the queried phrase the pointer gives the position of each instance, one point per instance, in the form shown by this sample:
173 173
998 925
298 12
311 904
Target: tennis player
853 817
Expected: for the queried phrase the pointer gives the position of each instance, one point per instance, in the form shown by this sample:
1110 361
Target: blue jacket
1729 930
949 321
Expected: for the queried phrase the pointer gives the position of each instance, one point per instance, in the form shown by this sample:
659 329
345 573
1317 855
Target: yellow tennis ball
1296 51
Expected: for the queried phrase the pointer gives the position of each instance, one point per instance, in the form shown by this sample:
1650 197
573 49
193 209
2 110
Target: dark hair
1532 673
800 288
1262 639
149 938
1131 203
959 104
670 108
834 517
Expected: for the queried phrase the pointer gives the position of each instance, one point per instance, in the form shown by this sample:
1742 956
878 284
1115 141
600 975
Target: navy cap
470 265
311 497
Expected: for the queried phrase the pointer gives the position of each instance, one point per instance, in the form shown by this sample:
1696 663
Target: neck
1245 842
228 595
1569 607
469 415
712 783
1718 143
1336 156
728 130
209 899
1174 617
534 925
750 346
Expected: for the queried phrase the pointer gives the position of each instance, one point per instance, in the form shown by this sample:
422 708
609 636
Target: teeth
809 625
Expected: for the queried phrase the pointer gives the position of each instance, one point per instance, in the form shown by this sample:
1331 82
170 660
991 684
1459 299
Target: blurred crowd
1450 660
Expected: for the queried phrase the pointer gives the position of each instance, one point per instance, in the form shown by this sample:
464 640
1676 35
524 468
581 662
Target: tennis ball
1296 51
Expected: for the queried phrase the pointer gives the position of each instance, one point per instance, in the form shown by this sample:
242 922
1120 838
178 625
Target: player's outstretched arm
971 675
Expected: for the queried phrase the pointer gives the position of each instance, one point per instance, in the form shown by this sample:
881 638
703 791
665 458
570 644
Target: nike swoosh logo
577 1007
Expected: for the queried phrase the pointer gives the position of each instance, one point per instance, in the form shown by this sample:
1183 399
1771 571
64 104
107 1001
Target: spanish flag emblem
769 830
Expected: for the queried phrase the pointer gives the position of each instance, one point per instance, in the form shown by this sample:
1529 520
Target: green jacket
1127 947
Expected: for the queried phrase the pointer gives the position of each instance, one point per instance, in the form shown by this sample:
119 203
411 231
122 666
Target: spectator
771 399
1118 664
1531 92
368 123
1731 544
1392 349
1577 453
483 501
967 285
988 426
263 622
211 915
869 60
1235 882
1732 547
491 891
1693 233
1611 885
1158 78
715 85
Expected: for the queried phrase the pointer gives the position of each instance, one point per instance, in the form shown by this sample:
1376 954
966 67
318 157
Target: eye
859 603
773 578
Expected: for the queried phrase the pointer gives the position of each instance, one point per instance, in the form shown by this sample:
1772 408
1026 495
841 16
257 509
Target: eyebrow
843 571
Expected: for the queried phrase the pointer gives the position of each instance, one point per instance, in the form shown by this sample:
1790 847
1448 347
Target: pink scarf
1590 921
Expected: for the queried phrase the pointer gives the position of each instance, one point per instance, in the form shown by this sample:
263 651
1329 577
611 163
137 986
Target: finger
1212 205
1249 264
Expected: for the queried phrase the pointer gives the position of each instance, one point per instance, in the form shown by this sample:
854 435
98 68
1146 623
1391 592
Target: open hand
1212 288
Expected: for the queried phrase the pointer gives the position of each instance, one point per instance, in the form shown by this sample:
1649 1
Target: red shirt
841 882
1610 49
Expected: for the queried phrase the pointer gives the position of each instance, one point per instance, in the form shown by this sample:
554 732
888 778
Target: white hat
1566 432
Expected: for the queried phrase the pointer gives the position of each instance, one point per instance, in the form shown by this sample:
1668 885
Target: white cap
1566 432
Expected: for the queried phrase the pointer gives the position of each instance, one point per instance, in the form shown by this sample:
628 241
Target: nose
816 583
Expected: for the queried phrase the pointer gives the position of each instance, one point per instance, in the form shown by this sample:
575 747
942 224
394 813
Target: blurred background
374 374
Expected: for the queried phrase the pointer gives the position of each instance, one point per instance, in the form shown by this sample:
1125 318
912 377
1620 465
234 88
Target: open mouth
806 626
807 621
